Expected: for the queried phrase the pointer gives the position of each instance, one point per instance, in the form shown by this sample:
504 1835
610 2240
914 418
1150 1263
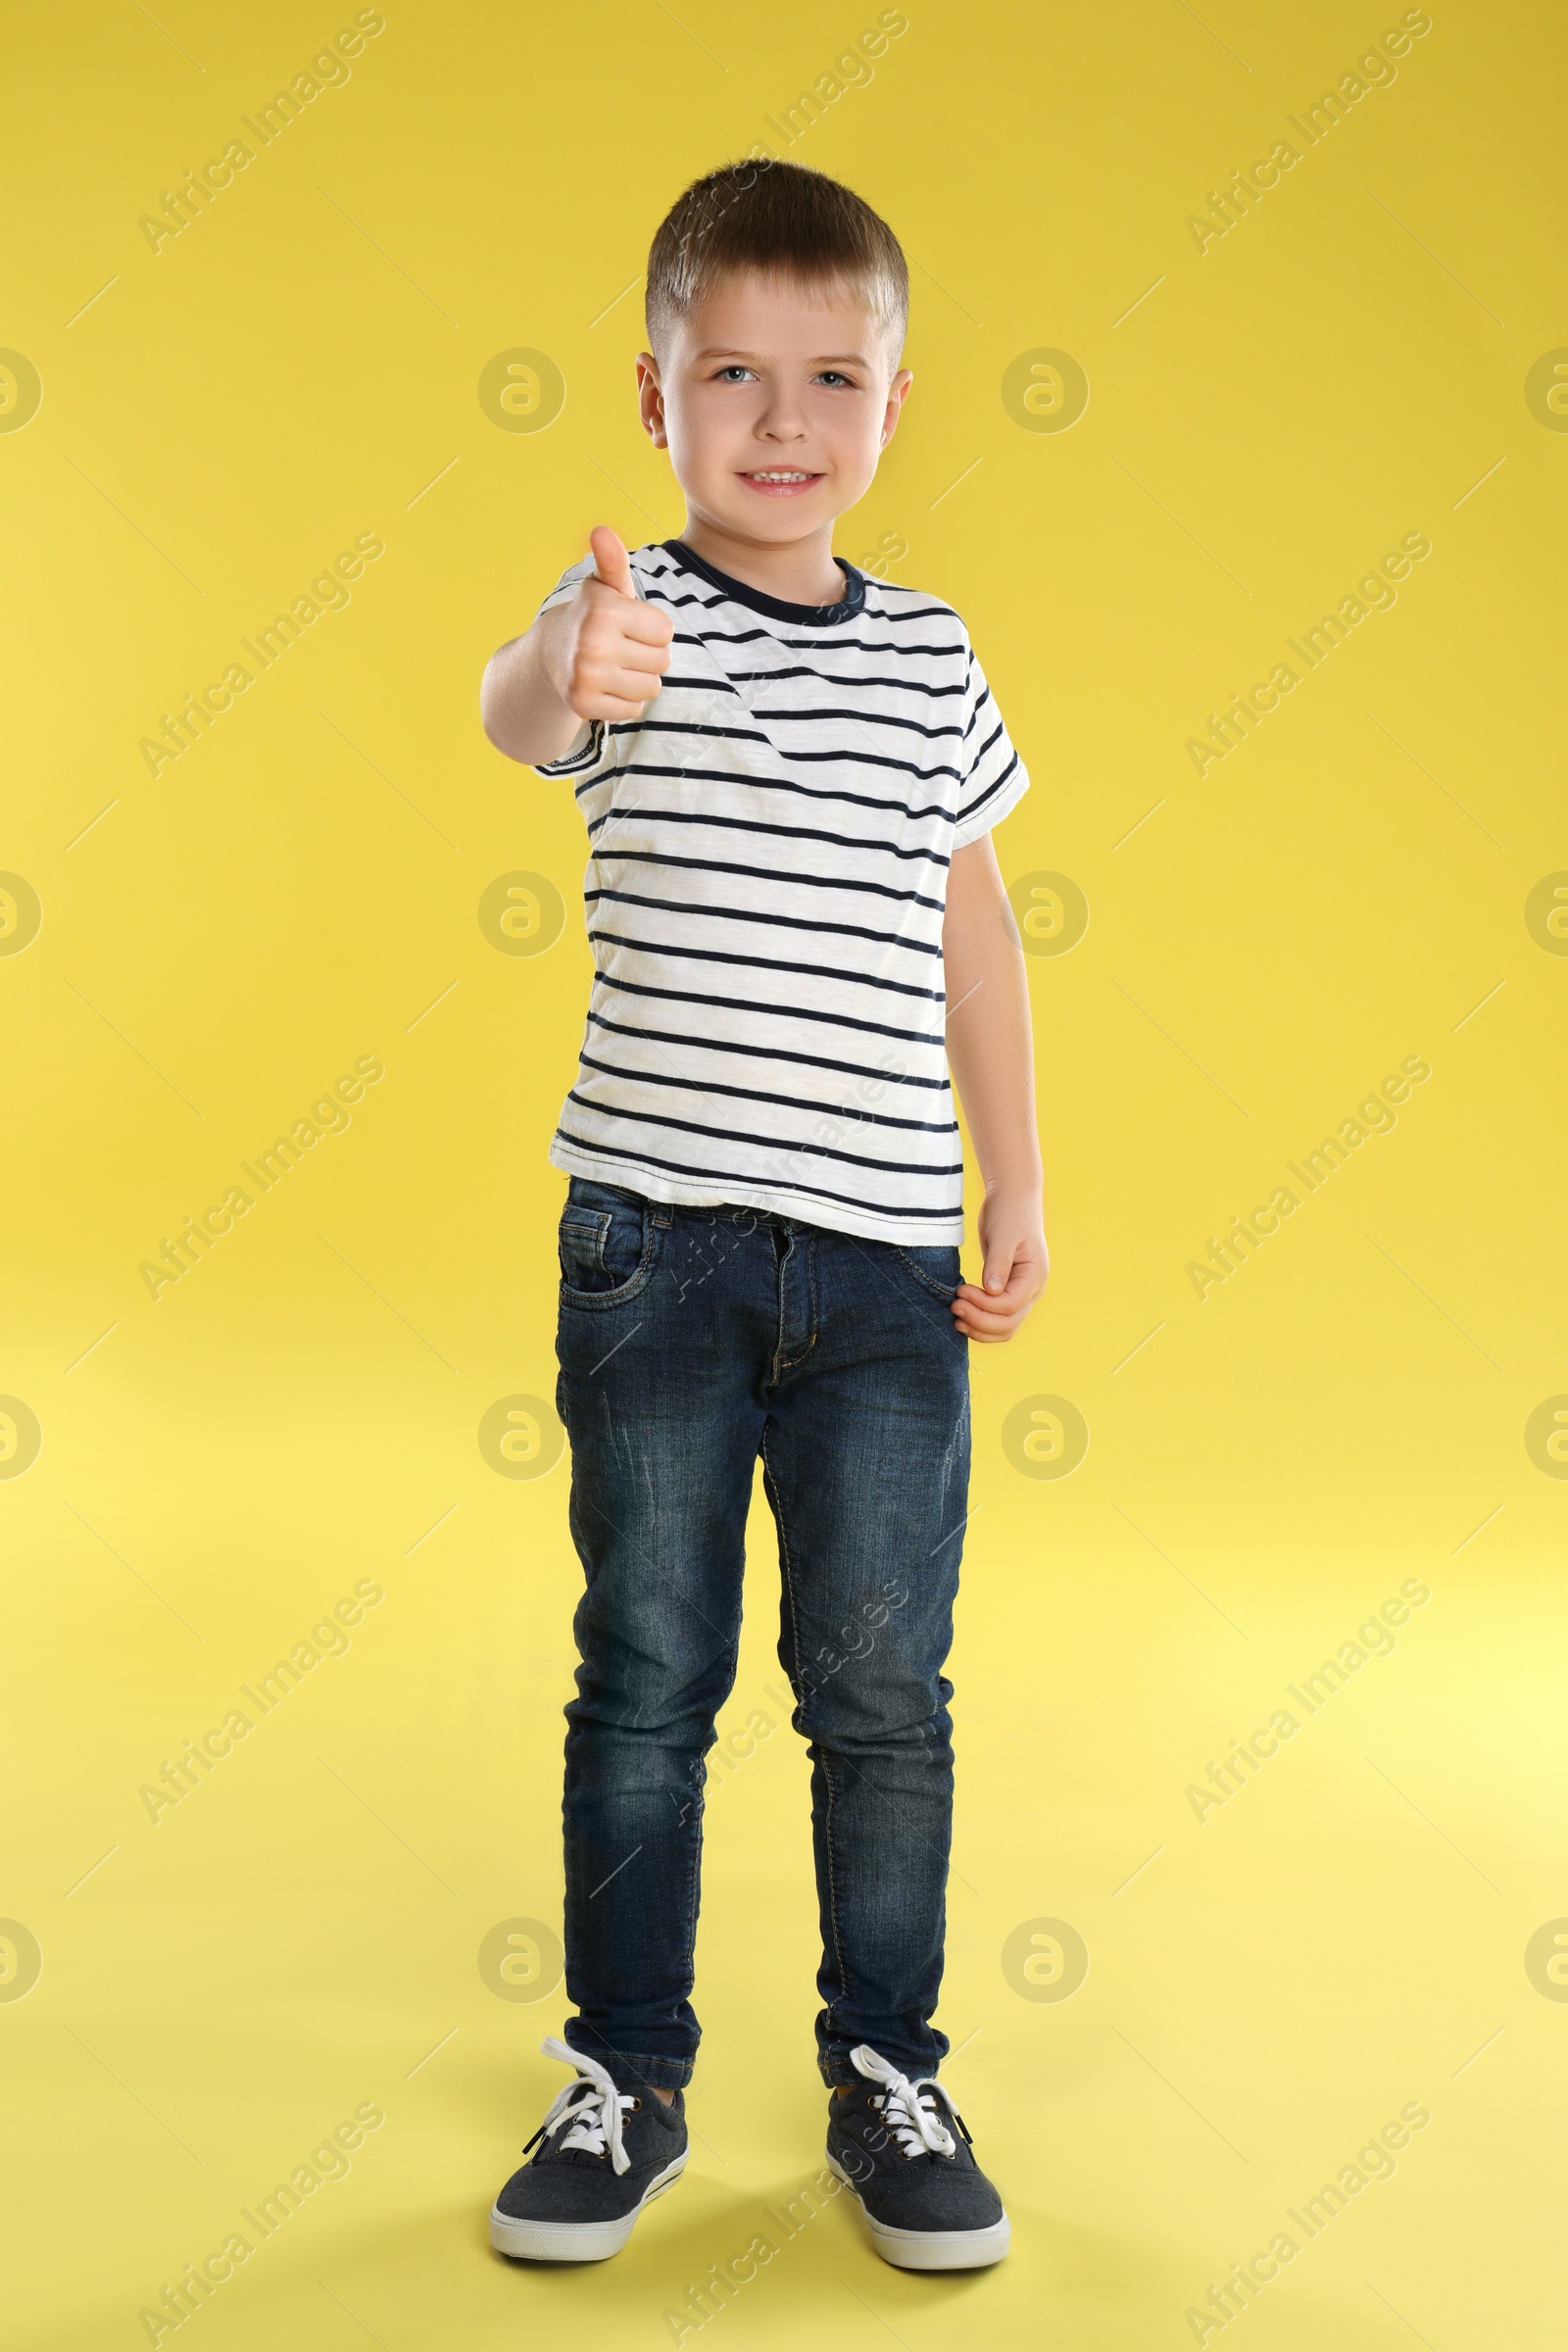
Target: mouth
781 481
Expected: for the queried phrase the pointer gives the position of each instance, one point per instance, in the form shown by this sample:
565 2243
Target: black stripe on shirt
766 963
805 670
858 719
747 824
964 814
782 750
772 1184
730 1044
752 1093
839 644
769 873
727 775
778 1012
756 914
770 1143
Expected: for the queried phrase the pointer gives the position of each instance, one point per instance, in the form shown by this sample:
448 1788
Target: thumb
998 1268
611 562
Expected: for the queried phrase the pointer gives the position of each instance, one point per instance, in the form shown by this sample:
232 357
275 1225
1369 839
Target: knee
655 1696
890 1712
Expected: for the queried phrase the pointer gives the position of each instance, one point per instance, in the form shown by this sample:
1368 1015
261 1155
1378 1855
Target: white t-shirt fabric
768 855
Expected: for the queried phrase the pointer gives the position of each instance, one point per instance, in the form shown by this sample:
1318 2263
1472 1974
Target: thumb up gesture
617 646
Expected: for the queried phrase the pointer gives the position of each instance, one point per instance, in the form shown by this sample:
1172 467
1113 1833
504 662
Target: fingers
620 686
628 674
608 706
610 559
612 579
635 617
992 1316
620 644
645 647
1017 1265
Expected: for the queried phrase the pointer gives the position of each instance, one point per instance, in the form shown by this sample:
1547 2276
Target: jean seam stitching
937 1290
603 1301
788 1363
787 1562
788 1565
689 1956
830 2021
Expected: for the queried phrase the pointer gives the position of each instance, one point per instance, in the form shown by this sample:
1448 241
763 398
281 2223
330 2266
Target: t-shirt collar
775 608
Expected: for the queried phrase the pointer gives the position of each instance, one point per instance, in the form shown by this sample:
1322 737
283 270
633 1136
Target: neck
800 573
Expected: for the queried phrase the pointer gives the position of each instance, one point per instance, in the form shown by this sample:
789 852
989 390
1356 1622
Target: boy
789 771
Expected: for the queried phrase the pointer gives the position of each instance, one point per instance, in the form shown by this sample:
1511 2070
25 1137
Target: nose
781 419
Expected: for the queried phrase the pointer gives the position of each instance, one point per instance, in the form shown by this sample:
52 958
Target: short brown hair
787 221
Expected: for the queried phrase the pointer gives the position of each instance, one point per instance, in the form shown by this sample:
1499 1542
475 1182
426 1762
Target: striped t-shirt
768 854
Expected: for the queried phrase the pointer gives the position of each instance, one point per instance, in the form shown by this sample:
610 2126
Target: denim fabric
690 1341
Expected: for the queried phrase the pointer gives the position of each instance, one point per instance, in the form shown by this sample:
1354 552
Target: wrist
1017 1188
555 633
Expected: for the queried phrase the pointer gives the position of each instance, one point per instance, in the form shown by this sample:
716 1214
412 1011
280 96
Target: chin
784 518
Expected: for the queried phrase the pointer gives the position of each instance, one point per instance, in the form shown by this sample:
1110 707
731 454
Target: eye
731 374
835 375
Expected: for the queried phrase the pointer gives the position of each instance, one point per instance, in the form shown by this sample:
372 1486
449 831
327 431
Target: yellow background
219 1467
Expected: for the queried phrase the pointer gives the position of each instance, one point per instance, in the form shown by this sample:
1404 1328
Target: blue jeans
690 1341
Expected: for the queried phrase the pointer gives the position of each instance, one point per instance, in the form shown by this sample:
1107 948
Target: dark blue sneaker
928 2204
605 2148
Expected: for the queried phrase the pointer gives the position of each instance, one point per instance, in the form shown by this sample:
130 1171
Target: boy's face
766 379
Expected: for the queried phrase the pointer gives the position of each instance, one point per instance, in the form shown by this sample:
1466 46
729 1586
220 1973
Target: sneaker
928 2204
603 2153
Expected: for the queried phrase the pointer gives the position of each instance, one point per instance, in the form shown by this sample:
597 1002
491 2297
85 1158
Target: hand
1017 1264
614 646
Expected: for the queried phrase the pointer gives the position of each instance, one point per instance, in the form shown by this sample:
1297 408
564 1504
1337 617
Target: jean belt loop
661 1212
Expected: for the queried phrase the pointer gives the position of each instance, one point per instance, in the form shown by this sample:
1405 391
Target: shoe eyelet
636 2103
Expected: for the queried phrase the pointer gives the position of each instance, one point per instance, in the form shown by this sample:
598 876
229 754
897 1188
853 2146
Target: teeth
781 477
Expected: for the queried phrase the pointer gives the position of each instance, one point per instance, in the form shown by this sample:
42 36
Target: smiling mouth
781 480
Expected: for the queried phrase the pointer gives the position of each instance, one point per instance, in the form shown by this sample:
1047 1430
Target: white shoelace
908 2109
592 2106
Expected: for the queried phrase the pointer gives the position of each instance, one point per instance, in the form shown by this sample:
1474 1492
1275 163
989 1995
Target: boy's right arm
599 655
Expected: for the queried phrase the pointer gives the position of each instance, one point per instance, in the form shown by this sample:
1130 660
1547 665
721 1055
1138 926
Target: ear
897 394
651 399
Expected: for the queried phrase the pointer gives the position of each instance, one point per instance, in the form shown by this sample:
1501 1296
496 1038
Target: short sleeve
991 777
591 751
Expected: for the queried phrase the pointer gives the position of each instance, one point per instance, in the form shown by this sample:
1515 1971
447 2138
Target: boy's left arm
991 1054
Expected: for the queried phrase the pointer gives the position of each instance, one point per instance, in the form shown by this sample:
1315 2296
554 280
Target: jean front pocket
935 1268
605 1252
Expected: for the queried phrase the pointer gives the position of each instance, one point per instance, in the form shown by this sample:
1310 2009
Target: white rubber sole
931 2249
576 2242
